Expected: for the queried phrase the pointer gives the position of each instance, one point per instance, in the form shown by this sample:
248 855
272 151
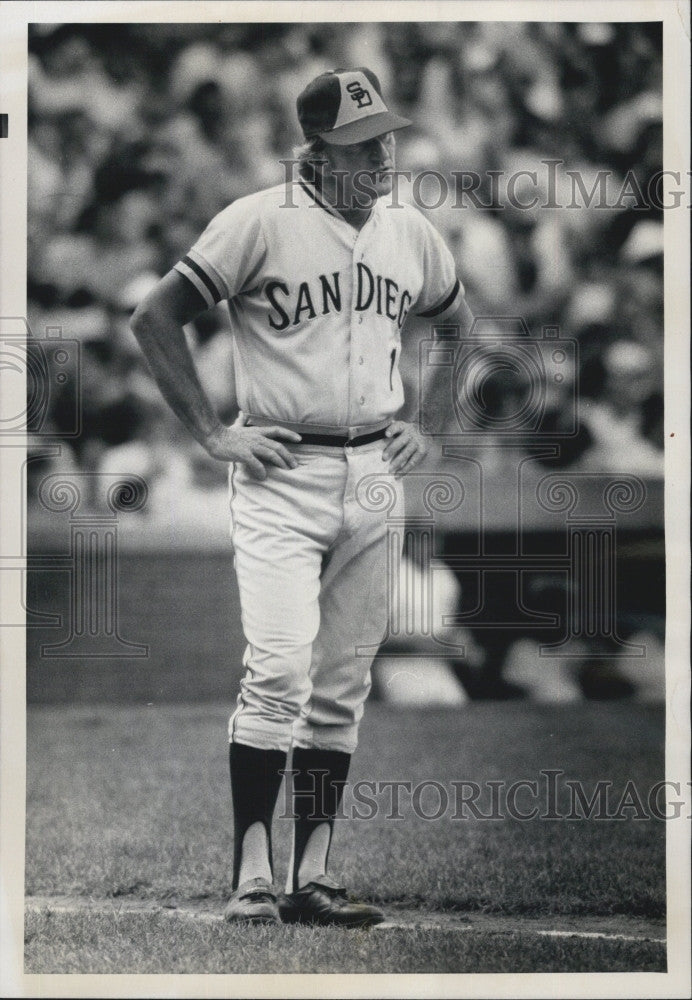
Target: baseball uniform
317 310
318 297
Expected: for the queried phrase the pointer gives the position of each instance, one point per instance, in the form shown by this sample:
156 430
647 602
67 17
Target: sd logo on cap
346 106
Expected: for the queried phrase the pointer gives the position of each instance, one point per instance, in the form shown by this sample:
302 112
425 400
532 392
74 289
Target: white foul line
518 928
600 934
39 904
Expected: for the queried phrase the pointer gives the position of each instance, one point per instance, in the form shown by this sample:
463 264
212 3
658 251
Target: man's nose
380 149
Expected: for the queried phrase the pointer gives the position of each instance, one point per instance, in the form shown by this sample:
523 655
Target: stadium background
138 134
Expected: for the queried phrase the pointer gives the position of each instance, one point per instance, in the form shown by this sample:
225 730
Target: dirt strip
616 928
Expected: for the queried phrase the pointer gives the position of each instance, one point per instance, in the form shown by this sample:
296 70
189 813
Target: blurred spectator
622 422
139 134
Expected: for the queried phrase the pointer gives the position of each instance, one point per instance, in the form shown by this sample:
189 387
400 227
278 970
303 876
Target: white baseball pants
311 563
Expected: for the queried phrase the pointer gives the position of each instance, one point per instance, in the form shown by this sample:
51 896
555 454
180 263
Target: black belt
339 440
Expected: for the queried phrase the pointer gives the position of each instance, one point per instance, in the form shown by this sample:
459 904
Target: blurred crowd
139 134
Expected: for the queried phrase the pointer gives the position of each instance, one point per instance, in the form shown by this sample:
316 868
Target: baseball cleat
253 902
323 901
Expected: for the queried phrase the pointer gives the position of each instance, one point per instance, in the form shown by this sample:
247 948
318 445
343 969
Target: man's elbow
170 304
141 319
149 318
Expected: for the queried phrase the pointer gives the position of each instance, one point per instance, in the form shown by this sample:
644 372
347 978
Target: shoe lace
260 895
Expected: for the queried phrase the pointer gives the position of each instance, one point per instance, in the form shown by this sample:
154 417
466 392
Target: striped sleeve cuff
447 302
207 282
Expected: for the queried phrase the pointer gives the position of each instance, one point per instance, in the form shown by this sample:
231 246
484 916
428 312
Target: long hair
311 157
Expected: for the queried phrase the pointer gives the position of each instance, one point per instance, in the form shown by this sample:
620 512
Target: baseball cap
346 106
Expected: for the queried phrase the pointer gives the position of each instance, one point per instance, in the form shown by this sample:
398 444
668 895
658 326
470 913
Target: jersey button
360 319
360 361
362 400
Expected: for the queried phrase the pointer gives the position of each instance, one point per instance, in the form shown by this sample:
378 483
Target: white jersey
316 306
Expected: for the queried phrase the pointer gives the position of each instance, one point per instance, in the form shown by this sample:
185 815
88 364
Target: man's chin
372 187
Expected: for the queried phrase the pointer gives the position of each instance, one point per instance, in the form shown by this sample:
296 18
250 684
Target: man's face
363 171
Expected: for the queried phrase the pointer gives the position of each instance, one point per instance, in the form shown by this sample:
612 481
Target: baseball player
319 274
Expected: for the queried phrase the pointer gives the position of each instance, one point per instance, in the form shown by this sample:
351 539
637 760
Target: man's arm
434 397
408 447
157 324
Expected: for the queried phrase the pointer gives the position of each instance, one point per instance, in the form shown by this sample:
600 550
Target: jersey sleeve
442 289
227 257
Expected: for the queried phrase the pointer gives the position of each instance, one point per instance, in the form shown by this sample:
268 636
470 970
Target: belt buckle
354 433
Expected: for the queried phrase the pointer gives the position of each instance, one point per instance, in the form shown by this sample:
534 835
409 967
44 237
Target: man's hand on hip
405 449
255 447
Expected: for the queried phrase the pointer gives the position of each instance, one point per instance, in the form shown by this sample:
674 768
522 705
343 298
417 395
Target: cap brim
365 128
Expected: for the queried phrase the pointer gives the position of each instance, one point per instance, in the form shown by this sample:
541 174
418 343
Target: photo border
13 165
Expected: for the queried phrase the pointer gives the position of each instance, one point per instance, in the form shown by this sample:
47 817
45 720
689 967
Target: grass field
183 605
129 836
